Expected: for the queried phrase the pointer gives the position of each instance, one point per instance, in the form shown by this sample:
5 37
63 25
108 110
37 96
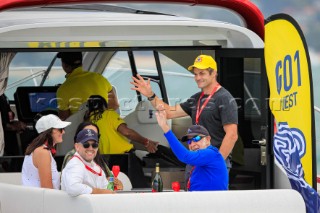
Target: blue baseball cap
195 130
87 135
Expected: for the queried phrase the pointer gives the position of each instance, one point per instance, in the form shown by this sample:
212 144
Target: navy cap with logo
195 130
87 135
71 58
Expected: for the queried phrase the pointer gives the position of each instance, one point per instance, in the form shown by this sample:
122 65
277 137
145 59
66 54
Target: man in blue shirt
209 170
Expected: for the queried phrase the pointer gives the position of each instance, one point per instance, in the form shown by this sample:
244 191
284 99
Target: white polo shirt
80 177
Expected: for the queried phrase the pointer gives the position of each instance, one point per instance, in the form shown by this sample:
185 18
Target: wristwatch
152 97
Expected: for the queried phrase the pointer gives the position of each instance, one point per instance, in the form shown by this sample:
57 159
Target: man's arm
145 89
17 126
151 146
171 111
113 100
64 114
101 191
229 139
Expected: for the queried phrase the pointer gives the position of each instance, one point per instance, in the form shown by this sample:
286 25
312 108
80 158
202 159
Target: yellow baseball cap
204 62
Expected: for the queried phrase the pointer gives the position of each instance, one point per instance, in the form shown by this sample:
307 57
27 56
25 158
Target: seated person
209 170
114 130
114 137
98 159
39 168
82 175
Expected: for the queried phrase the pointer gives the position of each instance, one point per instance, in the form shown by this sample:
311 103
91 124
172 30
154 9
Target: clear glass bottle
157 184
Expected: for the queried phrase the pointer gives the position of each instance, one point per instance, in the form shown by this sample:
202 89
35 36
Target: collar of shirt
75 72
91 164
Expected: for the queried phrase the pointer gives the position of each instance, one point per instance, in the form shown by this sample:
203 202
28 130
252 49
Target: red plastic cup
115 171
175 186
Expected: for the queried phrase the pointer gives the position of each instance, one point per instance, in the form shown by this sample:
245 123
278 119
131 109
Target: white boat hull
17 198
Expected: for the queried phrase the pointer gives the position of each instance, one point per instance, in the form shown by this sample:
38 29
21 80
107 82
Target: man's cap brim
188 136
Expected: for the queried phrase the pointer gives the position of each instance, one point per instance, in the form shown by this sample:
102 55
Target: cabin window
56 75
118 72
179 81
252 87
27 69
252 95
145 63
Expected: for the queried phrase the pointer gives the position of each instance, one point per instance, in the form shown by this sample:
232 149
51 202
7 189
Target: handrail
21 81
317 109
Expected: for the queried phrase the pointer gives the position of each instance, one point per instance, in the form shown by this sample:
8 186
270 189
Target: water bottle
111 183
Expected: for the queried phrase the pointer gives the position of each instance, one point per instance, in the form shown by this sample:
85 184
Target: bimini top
52 29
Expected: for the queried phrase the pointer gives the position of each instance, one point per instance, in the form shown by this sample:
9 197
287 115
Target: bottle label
155 186
111 183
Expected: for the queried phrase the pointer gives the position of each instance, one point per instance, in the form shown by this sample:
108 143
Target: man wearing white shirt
82 175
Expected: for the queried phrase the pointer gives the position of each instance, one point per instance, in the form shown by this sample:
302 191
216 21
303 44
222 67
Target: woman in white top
39 168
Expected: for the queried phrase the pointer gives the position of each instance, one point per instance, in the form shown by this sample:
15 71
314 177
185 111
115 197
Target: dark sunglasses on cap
86 145
195 139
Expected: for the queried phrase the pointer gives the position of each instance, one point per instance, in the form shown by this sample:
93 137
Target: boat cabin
120 43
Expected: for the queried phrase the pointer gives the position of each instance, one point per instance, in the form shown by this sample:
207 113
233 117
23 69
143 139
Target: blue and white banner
289 147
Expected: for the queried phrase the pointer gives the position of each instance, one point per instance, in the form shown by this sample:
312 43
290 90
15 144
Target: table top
143 190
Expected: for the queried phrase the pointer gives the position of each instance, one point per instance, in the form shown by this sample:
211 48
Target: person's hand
17 126
162 118
11 115
118 183
152 146
142 86
102 191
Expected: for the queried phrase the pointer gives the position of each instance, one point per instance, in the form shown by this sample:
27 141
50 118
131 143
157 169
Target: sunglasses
86 145
60 130
195 139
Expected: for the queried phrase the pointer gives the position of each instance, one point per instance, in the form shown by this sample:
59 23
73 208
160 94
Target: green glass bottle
157 184
111 183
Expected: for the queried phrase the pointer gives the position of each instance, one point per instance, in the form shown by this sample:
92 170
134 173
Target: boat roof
245 8
119 29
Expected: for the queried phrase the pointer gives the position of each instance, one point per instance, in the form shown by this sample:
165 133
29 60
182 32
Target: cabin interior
33 68
166 67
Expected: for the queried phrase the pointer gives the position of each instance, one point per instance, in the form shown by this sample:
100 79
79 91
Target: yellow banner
287 65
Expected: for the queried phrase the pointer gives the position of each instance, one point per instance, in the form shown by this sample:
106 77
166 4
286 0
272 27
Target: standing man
80 85
213 107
